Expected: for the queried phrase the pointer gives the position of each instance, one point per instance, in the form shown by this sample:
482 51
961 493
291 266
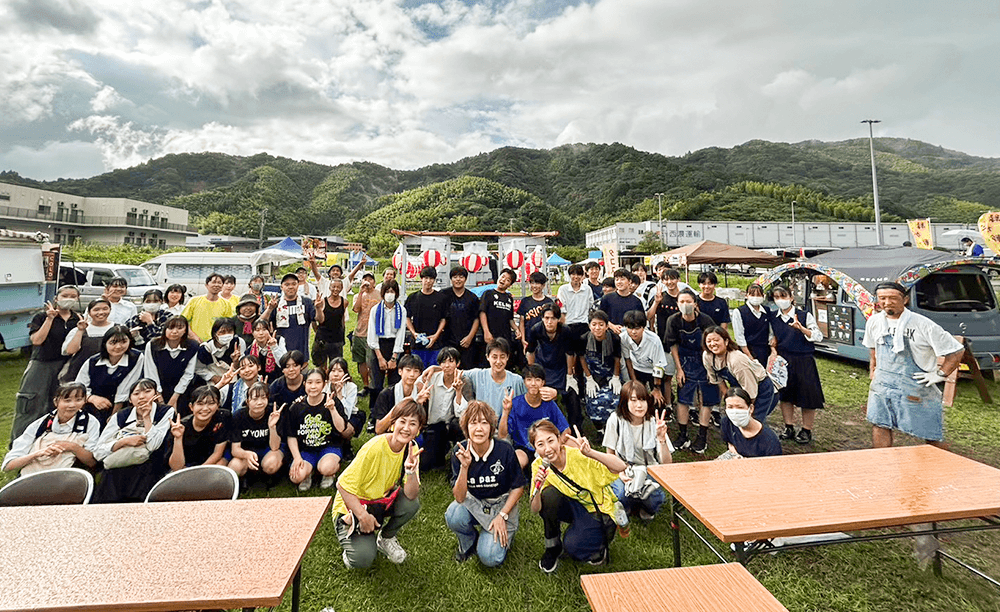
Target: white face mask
755 300
225 339
151 307
390 298
686 309
67 303
738 416
783 304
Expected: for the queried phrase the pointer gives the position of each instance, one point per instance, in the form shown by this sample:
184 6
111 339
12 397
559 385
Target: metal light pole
263 215
871 146
659 203
795 242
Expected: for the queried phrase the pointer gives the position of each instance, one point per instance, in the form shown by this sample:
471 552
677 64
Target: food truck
952 290
27 279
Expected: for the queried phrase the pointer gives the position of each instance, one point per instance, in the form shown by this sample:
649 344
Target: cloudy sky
91 85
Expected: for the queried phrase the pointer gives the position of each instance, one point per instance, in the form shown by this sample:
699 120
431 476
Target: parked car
191 269
92 277
952 290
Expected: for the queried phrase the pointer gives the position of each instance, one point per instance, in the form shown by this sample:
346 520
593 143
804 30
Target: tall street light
871 146
659 203
795 242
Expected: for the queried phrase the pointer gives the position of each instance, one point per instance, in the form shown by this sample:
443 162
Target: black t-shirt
51 349
460 313
550 353
615 306
764 444
717 308
667 308
199 445
252 435
281 395
499 309
598 290
426 311
493 475
676 324
530 310
332 328
312 425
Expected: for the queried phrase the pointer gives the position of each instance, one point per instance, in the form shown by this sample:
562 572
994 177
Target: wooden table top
768 497
705 588
163 556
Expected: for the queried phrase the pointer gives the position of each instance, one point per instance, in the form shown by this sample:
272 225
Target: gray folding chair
197 483
55 487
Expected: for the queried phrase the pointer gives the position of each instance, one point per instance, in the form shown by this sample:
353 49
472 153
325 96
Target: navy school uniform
756 331
803 388
168 369
108 384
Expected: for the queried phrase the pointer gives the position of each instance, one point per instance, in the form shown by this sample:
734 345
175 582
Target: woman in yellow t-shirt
377 493
571 484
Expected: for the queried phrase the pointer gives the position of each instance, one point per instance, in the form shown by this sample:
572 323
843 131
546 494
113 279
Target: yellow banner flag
989 227
923 237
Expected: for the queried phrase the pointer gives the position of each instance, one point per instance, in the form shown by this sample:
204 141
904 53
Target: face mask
225 339
755 300
257 286
783 304
390 298
67 304
686 309
150 307
739 416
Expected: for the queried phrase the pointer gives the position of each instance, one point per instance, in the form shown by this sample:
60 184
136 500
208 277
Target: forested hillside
572 189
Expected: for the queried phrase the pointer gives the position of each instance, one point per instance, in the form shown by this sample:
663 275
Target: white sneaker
326 483
391 549
347 563
305 485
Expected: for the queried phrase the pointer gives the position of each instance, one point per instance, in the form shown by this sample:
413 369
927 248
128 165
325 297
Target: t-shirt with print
312 425
499 309
460 314
492 475
199 445
374 472
252 434
530 310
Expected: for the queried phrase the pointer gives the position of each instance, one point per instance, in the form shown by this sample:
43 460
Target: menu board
840 323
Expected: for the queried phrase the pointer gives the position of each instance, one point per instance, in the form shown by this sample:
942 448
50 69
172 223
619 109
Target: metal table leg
675 529
296 588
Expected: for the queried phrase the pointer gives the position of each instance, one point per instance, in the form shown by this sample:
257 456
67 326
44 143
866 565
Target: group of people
492 390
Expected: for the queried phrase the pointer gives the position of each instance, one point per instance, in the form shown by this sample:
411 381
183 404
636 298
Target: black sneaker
600 558
363 393
804 436
716 420
788 434
699 446
550 559
370 428
693 415
680 442
669 410
462 557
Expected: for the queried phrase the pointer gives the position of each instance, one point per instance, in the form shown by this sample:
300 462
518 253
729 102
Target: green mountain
572 188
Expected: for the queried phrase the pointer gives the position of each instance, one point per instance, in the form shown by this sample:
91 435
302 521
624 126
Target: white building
68 218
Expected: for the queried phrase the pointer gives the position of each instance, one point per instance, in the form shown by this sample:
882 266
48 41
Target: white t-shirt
927 339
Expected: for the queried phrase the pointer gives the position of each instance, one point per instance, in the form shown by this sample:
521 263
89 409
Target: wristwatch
504 515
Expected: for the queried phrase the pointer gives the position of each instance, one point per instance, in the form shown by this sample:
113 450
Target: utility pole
871 146
795 242
659 231
263 215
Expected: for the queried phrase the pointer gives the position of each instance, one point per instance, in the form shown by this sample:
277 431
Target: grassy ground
854 577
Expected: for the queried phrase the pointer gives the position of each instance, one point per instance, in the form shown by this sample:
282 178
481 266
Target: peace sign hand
176 427
661 425
458 384
275 416
463 455
413 460
50 310
581 442
508 399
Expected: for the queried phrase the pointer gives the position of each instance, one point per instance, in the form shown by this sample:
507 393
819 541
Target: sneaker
680 442
326 483
363 393
305 485
370 428
669 410
462 556
804 436
347 563
391 549
788 434
550 559
693 415
699 446
646 516
716 420
600 558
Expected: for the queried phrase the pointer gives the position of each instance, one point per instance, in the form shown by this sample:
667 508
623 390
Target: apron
689 350
485 510
600 408
897 401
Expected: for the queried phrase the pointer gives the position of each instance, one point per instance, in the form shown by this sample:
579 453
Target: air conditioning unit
134 209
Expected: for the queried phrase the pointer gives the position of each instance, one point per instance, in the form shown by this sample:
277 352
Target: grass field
870 576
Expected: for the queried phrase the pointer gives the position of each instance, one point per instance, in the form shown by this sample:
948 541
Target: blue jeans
651 504
461 521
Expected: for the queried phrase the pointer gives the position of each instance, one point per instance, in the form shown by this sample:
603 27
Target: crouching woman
487 482
571 484
377 493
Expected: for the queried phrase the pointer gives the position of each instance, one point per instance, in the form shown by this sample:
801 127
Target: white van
91 277
191 269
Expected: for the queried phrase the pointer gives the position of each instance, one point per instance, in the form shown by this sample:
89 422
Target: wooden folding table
747 502
152 557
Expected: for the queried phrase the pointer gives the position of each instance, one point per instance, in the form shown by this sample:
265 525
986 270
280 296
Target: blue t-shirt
522 416
492 475
764 444
486 390
615 306
717 308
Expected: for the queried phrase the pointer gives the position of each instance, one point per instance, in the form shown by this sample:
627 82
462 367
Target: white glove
616 385
572 385
929 378
592 388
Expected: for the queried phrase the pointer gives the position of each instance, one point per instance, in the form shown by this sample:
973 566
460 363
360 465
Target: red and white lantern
474 262
514 259
412 271
397 260
537 259
432 258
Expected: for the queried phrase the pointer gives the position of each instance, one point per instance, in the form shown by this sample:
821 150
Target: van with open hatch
93 277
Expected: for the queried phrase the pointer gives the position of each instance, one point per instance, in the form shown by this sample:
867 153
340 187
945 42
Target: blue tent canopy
595 254
288 245
555 260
